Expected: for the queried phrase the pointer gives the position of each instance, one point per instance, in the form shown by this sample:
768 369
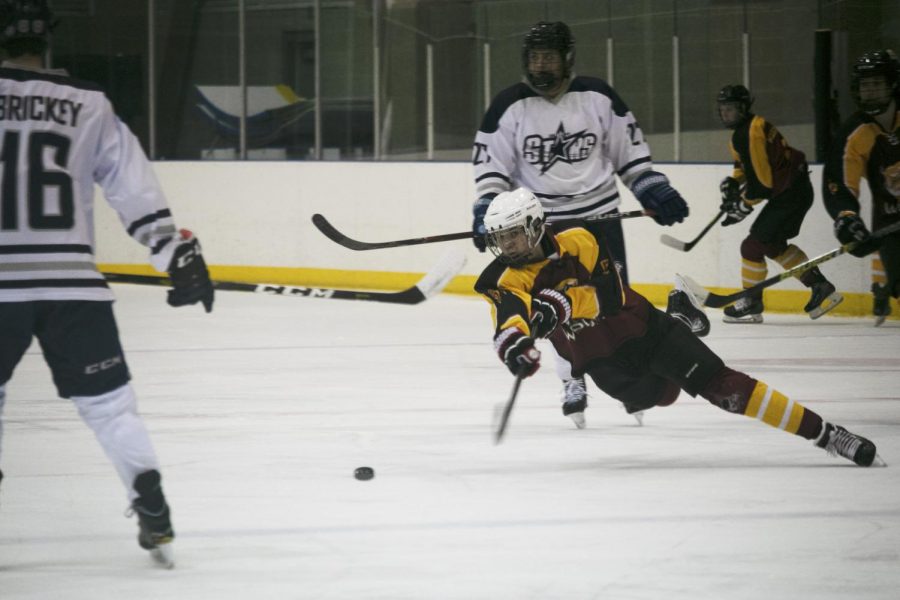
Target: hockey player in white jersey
58 137
566 137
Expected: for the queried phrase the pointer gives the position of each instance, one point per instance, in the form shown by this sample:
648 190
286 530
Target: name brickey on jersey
39 108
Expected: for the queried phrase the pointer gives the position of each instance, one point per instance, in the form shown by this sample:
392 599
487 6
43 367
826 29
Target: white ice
261 411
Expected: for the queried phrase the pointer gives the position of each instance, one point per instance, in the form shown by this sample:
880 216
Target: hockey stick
671 242
713 300
507 410
432 283
334 235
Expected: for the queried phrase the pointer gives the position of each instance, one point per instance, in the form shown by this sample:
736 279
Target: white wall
258 214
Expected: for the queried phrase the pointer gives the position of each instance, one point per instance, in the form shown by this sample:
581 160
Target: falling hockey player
557 281
58 137
568 138
767 168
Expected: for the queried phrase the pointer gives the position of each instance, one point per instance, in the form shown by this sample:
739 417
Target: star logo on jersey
561 147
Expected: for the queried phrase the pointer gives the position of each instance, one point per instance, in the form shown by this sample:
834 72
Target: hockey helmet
880 63
549 36
514 222
24 20
739 96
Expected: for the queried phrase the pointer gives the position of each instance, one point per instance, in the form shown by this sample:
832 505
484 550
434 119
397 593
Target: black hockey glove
734 207
478 231
730 189
653 191
517 351
190 278
849 228
549 309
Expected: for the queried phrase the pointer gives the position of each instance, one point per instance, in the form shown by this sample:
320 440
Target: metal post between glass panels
242 78
429 99
376 84
676 101
151 76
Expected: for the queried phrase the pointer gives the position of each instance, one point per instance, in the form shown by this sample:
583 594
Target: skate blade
578 419
879 320
639 417
753 319
827 304
878 462
164 556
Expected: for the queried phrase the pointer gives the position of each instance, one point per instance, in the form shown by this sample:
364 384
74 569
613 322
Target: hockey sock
791 257
878 274
752 272
115 421
774 408
738 393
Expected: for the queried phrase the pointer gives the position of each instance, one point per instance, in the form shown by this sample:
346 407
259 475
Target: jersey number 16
38 178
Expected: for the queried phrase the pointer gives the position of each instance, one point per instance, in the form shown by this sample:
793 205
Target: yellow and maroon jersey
863 149
605 312
763 160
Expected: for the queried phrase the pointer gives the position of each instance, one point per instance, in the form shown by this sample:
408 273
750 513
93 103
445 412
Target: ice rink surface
261 411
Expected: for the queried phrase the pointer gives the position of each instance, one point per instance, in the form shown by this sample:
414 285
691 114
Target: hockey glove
733 205
190 278
849 228
517 351
730 189
653 191
735 212
478 231
549 309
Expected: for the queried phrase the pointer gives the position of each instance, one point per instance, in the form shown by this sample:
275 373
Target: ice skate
154 519
837 441
684 307
638 415
575 401
745 310
881 303
822 299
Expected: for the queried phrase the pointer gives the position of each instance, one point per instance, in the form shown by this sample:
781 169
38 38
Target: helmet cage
549 36
880 63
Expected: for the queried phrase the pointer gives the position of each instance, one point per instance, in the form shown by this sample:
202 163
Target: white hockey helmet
514 222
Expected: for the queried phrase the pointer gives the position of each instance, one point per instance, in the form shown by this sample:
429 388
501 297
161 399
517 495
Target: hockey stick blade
713 300
507 409
336 236
671 242
432 283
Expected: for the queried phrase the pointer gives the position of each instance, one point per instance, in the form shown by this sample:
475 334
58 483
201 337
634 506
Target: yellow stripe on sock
778 408
752 272
791 257
878 274
793 423
774 408
759 394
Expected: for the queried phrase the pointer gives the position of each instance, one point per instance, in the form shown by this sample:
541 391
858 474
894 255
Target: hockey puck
364 473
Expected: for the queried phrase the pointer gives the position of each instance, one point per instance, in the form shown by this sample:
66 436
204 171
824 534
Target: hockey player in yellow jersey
558 281
868 146
767 169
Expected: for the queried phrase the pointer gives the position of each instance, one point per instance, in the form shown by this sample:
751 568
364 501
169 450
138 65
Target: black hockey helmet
25 20
880 63
549 36
738 95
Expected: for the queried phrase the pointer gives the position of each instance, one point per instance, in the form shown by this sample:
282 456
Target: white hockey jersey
58 136
567 150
